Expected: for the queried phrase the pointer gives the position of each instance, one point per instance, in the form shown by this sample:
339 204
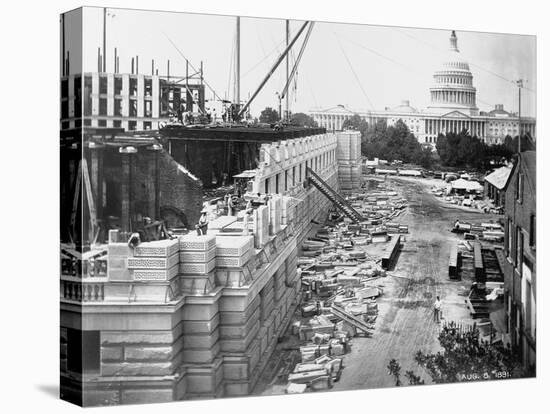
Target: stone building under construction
193 316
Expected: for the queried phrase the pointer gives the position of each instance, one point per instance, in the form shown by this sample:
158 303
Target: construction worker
229 205
246 221
202 226
134 240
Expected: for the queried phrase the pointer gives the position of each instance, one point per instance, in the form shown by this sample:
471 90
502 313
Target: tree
303 120
269 116
395 142
465 357
463 150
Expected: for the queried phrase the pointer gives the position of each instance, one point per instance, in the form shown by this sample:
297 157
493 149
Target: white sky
392 63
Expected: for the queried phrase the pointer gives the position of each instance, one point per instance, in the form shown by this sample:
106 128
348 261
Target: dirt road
405 321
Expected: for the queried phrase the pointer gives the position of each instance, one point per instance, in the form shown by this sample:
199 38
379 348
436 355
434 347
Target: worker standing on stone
202 226
229 205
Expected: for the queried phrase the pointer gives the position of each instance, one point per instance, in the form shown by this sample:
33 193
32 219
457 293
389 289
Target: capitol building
452 109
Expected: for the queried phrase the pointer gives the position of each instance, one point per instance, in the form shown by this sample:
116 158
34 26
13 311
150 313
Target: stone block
240 316
241 344
201 381
233 303
201 327
149 353
144 337
194 242
235 368
233 246
239 330
201 340
146 396
119 275
152 262
136 369
221 222
197 257
155 274
197 268
157 248
235 389
234 261
201 355
91 398
199 311
253 353
111 353
119 249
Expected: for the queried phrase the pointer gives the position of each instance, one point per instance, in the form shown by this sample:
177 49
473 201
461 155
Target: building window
533 231
118 107
266 186
117 123
277 183
132 125
148 109
519 188
64 109
64 88
519 249
133 108
77 96
147 125
87 95
102 123
133 87
118 85
103 84
102 106
83 351
148 87
87 122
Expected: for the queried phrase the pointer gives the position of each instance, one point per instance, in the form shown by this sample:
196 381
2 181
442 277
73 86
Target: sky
363 67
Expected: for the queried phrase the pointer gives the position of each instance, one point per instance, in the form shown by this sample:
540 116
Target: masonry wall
193 317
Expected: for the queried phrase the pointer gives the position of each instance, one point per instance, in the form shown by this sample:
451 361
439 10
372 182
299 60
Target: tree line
461 150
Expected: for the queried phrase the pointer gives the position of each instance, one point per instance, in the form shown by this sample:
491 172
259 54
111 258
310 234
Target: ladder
333 196
358 323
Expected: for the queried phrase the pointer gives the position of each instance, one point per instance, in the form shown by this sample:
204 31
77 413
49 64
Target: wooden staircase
333 196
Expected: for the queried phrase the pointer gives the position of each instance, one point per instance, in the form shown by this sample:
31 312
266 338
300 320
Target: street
405 321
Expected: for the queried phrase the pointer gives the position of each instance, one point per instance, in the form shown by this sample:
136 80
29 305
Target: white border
29 134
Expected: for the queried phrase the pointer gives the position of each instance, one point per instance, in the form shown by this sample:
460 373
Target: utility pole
105 39
520 85
287 114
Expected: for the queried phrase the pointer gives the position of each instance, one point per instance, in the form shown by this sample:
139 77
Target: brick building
520 246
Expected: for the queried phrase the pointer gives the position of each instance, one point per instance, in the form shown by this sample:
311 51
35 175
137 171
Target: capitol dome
453 88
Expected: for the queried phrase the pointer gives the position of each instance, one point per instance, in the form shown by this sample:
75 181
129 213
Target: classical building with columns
452 109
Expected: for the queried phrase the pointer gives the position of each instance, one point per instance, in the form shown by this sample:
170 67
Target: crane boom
277 63
294 69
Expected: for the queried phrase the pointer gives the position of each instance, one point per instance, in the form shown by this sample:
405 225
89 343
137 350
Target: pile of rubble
337 268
